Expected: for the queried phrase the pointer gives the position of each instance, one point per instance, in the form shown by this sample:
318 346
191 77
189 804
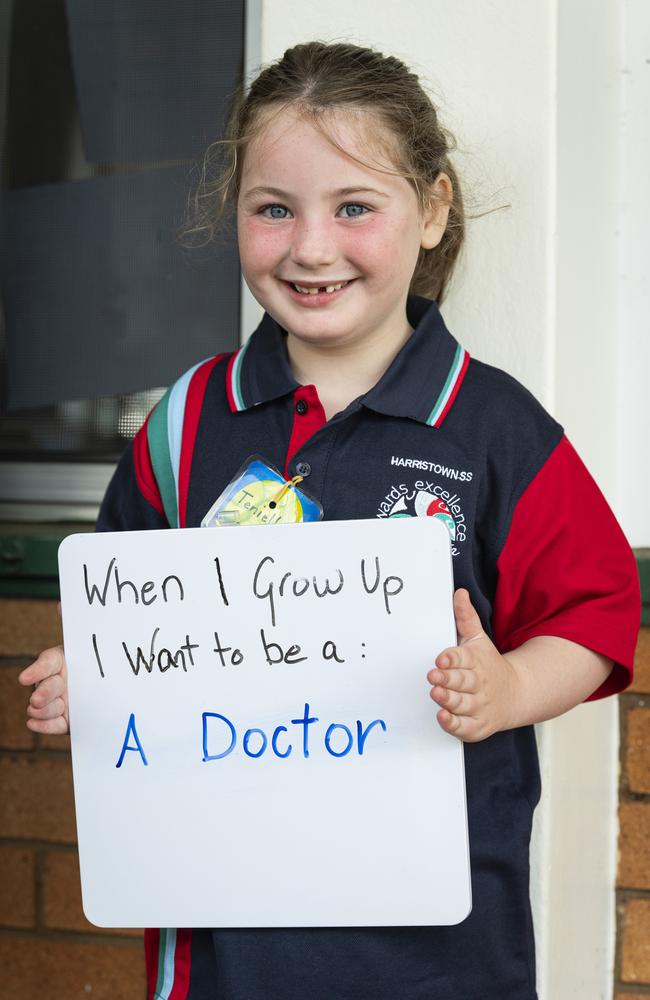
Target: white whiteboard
361 822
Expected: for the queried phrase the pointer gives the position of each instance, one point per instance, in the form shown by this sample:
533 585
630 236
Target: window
102 306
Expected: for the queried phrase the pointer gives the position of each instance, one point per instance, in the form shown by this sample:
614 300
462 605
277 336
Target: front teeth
315 291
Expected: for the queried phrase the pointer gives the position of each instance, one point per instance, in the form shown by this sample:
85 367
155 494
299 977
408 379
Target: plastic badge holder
259 494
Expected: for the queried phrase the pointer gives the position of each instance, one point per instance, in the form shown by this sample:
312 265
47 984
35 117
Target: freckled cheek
374 249
260 248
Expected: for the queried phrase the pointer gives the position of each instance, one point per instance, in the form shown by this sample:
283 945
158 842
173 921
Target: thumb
468 623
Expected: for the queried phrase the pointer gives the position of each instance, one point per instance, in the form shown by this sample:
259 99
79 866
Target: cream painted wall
633 232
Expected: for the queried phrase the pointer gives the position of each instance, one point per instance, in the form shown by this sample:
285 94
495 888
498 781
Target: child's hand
48 706
473 683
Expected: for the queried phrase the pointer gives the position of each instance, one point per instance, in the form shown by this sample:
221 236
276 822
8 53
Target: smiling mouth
319 289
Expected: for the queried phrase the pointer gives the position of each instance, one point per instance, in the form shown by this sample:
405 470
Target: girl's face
328 245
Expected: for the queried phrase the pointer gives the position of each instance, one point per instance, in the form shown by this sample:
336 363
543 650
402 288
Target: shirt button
301 406
303 469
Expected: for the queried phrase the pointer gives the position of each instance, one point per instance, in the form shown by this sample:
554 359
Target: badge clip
259 494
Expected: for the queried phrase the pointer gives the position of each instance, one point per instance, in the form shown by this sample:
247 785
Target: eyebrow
340 193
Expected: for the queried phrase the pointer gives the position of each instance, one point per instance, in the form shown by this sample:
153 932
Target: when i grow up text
272 587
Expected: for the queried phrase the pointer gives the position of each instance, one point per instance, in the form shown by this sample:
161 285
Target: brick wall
47 947
633 892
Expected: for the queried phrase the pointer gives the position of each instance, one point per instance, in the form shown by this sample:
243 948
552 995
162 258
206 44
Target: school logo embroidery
427 499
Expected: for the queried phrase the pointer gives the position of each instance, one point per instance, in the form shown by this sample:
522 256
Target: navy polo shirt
534 542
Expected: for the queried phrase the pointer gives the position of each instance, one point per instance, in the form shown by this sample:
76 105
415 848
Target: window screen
105 108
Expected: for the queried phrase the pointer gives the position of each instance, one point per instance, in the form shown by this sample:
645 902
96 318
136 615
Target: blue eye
353 210
275 212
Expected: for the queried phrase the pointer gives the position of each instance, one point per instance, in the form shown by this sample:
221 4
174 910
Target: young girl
350 219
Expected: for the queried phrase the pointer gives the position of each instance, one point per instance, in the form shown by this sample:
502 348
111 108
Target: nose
313 245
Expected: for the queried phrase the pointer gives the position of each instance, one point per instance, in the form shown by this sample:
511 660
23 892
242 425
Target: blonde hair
320 78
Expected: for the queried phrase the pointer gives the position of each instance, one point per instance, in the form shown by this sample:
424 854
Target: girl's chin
321 336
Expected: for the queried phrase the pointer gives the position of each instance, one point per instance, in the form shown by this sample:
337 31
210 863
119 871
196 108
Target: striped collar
421 383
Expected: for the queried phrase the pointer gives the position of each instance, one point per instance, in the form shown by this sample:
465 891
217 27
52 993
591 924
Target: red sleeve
567 570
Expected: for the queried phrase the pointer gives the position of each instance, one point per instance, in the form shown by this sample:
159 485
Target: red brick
53 742
637 760
62 908
634 845
14 734
636 942
642 663
37 801
28 626
37 968
17 887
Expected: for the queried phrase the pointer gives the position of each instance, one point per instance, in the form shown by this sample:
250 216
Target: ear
434 219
